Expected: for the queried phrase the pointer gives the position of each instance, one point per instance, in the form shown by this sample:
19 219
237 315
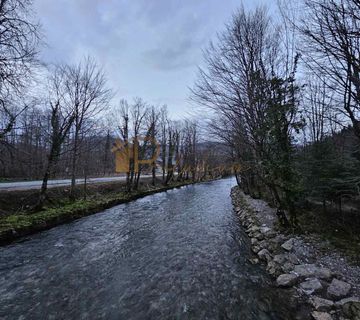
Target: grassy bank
23 223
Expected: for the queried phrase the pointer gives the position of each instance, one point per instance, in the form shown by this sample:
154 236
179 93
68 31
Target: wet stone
258 236
254 260
321 304
252 229
288 245
311 270
265 255
263 244
255 249
273 269
293 258
286 280
310 286
321 315
287 267
280 258
265 230
338 289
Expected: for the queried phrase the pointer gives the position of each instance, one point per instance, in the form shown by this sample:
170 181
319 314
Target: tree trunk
44 186
73 165
153 171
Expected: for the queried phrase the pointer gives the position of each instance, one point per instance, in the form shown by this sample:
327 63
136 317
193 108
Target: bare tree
62 118
172 140
139 111
120 120
86 87
163 139
331 48
152 131
249 85
233 87
319 111
19 37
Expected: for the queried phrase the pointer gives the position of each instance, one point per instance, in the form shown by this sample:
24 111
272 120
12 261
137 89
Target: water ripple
175 255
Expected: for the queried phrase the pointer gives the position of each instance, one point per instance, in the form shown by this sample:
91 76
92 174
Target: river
180 254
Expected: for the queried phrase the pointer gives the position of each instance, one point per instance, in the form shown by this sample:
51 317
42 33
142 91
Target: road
28 185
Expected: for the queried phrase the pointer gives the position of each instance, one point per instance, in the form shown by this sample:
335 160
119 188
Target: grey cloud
179 42
177 55
135 39
160 11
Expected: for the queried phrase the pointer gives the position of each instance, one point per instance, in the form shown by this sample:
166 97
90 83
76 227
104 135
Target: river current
180 254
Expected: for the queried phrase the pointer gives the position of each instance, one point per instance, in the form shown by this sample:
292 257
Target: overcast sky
148 48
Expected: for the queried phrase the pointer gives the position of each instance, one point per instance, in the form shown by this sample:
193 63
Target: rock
286 280
324 273
254 241
243 214
271 234
252 229
321 315
287 267
272 246
311 270
305 270
265 230
338 289
258 236
346 300
279 239
286 257
350 307
265 255
288 245
254 260
310 286
255 249
273 269
263 244
280 258
275 243
293 258
321 304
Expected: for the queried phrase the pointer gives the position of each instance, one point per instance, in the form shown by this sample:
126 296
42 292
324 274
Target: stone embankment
321 277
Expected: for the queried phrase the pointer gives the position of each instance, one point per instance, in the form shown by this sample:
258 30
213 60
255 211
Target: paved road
28 185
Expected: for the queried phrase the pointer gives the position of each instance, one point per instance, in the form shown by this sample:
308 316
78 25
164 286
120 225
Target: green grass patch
23 223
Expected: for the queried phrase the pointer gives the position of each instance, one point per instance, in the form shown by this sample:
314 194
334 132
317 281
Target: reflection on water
175 255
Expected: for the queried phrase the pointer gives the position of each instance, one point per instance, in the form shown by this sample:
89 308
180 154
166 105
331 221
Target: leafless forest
285 94
61 121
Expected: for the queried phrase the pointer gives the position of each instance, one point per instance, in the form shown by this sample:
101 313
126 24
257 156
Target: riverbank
23 223
322 277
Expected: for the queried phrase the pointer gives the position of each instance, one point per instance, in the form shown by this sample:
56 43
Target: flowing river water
180 254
